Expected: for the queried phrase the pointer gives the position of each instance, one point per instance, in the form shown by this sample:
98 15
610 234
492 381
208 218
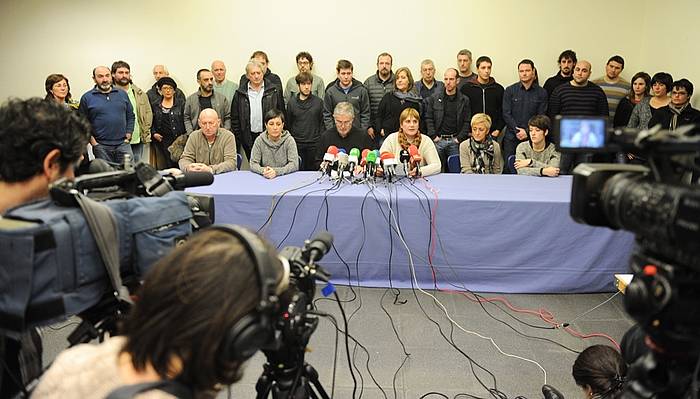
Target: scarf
676 112
482 161
403 140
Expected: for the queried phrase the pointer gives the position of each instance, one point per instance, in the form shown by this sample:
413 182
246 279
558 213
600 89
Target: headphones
256 329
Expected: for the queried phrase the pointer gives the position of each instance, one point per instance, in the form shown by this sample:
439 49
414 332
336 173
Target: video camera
655 202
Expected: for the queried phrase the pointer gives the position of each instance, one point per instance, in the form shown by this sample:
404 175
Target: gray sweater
218 102
280 155
547 157
641 115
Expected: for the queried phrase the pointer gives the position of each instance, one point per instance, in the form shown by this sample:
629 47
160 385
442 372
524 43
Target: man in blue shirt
521 101
111 115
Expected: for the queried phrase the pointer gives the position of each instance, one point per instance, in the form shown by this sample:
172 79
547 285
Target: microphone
329 159
371 163
342 164
389 164
405 158
190 179
416 158
353 159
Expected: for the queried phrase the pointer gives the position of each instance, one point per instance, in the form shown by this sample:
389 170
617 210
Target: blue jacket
519 105
110 115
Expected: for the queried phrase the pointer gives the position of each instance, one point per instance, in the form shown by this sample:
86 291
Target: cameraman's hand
550 171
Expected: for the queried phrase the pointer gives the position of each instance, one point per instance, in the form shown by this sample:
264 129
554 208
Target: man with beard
203 98
111 115
567 61
141 136
305 63
377 85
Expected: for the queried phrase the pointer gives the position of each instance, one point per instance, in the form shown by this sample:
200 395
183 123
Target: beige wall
71 37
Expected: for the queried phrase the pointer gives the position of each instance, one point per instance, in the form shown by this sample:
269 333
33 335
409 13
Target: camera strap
173 388
105 230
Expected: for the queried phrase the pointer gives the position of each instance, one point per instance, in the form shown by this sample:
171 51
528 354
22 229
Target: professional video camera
656 203
72 255
286 374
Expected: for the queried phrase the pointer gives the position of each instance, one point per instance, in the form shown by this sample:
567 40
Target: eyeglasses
679 93
167 88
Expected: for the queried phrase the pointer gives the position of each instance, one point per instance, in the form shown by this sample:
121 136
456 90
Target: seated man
344 134
211 148
536 157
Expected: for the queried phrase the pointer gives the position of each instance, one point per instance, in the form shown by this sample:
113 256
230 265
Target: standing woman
168 122
409 134
660 87
481 154
274 151
403 96
640 90
58 89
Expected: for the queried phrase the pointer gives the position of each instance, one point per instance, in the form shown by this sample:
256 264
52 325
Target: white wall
71 37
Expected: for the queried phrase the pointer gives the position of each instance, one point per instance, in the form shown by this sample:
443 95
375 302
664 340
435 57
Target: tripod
286 375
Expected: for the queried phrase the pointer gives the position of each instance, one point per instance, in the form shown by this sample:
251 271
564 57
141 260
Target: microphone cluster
370 164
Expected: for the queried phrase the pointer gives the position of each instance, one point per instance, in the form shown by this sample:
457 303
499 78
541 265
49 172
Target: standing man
347 89
486 95
111 115
141 135
567 61
305 119
203 98
377 85
447 116
464 66
613 85
428 85
250 103
221 84
261 58
521 101
154 96
305 63
579 97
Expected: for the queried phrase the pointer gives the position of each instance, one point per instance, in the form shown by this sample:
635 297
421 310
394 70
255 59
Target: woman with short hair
660 87
168 122
274 151
480 154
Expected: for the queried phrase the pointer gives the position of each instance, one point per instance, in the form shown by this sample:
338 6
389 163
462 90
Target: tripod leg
314 382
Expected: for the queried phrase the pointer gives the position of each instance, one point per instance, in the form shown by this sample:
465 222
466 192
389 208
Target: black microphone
405 159
190 179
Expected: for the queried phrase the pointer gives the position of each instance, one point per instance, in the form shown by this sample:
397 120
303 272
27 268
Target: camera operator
181 327
40 142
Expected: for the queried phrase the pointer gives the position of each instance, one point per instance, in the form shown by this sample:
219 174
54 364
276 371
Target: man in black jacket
447 116
567 61
251 101
305 119
261 57
486 96
679 112
343 134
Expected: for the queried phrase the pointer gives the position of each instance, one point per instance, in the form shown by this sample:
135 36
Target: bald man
579 97
221 84
154 96
211 148
111 115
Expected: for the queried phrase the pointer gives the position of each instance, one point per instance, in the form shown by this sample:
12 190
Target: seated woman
174 334
480 154
537 157
600 371
58 89
274 152
408 135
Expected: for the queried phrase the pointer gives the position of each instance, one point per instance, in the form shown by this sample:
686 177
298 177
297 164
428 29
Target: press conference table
502 233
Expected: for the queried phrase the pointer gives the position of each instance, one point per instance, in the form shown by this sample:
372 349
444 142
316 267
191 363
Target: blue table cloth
502 233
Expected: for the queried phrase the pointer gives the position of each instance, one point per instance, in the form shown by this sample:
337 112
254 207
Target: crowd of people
452 115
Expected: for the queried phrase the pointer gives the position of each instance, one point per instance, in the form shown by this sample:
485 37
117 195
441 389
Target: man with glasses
305 63
343 134
211 148
679 112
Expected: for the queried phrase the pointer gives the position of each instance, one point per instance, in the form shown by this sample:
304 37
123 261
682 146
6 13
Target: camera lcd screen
582 133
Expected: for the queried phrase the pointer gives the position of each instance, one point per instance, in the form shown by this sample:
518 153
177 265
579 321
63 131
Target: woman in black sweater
403 96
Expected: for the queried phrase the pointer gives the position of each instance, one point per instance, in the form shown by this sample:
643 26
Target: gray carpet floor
404 355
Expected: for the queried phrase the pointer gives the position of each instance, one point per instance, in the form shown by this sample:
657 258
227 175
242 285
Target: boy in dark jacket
305 120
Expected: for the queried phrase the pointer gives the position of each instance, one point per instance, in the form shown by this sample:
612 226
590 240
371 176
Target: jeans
114 154
446 148
510 143
137 149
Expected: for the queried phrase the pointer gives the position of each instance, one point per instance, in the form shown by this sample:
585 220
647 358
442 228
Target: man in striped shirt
613 85
580 97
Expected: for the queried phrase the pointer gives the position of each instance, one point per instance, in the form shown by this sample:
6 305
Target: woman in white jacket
408 135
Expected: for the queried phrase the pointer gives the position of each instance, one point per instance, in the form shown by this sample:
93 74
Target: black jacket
170 125
390 108
435 114
664 116
487 98
240 111
269 77
356 138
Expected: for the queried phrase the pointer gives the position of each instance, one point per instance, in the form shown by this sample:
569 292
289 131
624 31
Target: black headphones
256 329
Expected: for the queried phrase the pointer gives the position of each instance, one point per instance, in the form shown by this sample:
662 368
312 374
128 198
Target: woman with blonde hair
480 154
409 134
